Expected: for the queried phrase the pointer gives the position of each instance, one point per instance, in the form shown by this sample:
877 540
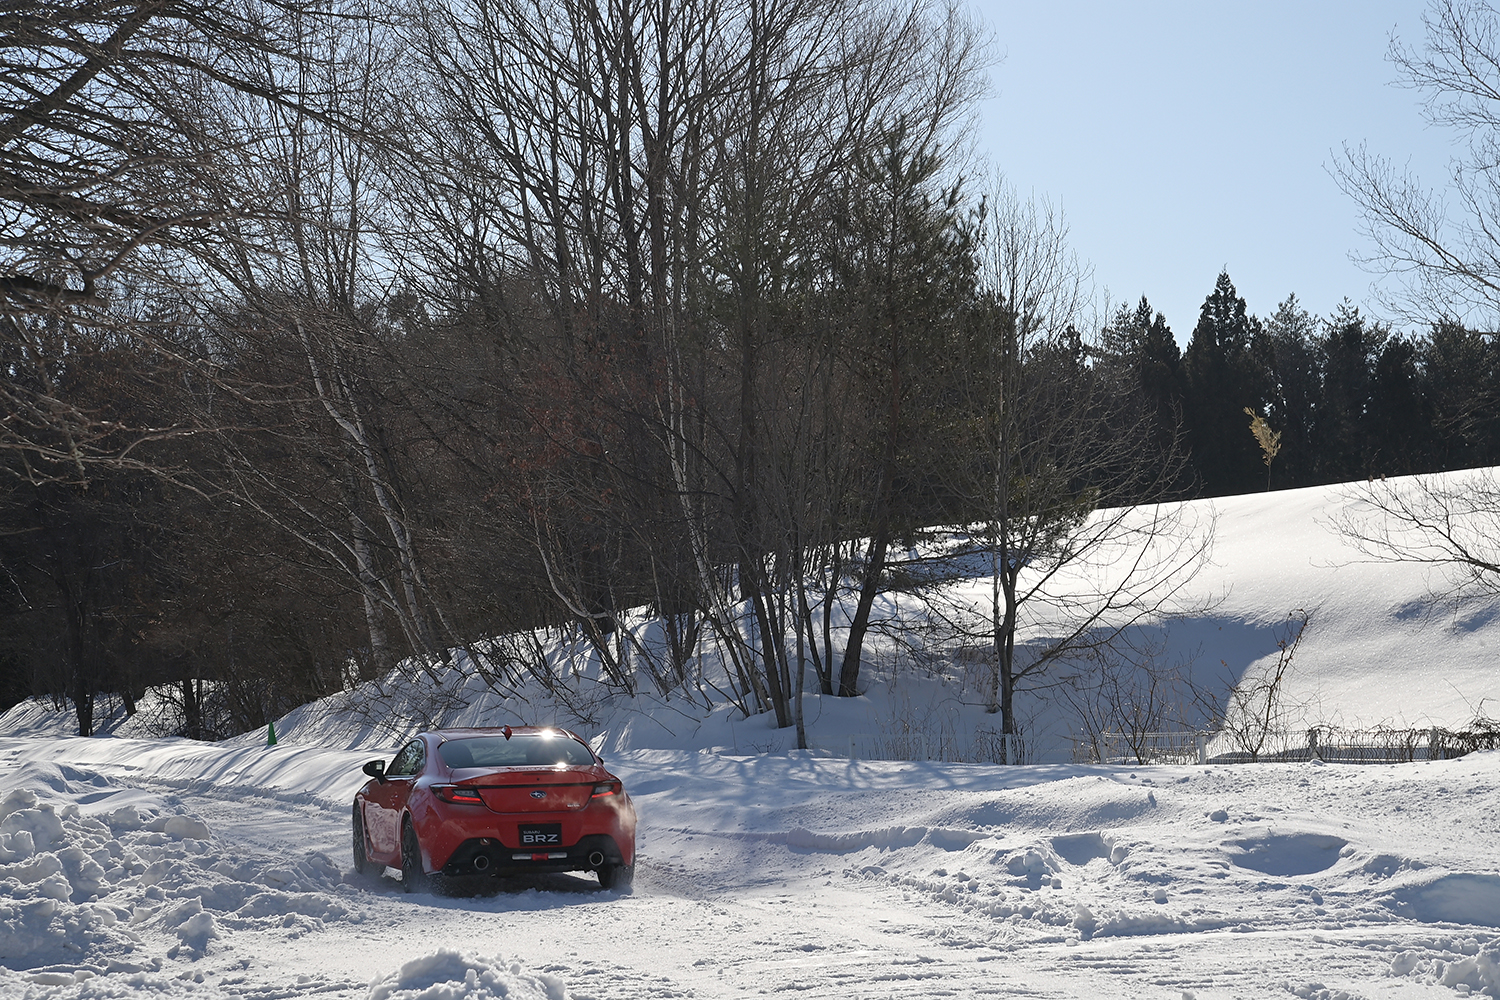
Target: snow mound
1463 964
448 974
100 880
1460 898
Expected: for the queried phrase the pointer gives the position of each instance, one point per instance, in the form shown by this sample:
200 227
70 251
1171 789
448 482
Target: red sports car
459 803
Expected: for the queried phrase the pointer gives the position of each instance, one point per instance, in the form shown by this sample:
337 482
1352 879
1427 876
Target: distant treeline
1346 396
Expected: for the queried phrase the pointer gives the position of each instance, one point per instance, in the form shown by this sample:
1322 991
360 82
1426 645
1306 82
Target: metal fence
1179 747
983 746
1327 743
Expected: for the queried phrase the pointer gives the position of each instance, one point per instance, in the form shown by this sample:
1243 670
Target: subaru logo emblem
539 795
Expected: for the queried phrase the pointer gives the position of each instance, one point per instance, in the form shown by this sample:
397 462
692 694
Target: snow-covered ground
178 869
173 868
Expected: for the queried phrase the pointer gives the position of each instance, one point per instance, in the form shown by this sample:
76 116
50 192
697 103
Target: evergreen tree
1400 416
1460 371
1346 352
1221 378
1138 359
1285 350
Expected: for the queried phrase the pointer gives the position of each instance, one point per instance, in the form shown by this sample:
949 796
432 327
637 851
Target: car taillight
608 788
457 793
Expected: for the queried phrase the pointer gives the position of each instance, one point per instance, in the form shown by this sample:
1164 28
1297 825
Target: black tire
361 859
413 878
616 877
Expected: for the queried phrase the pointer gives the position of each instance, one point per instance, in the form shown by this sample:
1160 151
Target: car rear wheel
616 876
413 878
361 859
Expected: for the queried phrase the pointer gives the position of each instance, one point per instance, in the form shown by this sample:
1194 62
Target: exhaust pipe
596 859
481 862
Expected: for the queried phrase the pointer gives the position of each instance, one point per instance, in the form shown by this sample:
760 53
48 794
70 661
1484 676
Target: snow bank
448 974
110 880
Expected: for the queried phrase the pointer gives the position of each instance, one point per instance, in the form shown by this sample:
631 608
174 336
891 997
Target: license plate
541 835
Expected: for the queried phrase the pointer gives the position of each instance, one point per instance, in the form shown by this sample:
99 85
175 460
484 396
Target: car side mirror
376 770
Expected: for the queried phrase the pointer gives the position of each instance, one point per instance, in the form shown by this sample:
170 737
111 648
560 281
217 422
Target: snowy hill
1375 651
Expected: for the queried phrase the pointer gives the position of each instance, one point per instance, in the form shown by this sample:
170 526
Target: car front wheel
616 876
413 878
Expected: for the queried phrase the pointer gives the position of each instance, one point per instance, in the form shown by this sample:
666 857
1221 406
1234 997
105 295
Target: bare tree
1449 521
118 211
1058 472
1447 252
313 335
1125 696
1256 710
656 179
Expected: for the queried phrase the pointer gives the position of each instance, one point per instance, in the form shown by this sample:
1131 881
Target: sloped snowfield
171 868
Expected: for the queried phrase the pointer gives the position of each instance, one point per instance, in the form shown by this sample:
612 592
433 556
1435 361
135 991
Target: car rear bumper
443 828
487 856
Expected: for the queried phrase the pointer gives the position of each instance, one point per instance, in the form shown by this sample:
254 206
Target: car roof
461 733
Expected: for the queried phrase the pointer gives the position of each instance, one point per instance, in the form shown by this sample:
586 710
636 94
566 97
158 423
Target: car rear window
497 751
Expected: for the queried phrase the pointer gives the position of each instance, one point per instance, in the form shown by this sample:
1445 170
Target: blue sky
1183 138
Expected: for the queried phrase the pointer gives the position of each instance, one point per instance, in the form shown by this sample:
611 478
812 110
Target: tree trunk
192 710
874 566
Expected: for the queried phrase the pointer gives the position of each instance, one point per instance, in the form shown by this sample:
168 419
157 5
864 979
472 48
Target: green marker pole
271 734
